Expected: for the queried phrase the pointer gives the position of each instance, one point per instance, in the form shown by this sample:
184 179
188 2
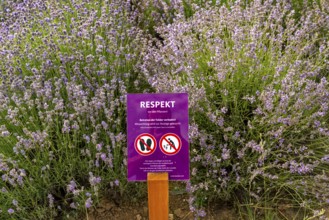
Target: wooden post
158 196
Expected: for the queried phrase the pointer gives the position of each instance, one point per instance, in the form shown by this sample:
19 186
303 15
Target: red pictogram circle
145 144
170 144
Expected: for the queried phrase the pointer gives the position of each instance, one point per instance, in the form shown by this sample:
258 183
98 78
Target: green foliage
255 76
257 79
62 112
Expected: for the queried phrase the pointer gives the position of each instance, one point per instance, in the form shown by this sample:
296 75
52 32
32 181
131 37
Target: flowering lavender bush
148 15
259 94
258 90
65 68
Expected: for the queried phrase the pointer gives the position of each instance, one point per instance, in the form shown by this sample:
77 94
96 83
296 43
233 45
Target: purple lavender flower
71 186
93 180
99 147
87 138
4 177
73 205
66 126
224 110
5 133
225 154
88 194
105 125
88 203
15 202
103 157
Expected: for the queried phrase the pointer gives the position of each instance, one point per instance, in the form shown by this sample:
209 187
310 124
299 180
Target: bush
257 82
65 69
258 92
148 15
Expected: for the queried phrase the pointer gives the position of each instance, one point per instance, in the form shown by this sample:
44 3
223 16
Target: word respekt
156 104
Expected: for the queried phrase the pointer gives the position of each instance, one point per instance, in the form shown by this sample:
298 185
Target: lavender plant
258 92
148 15
258 98
65 68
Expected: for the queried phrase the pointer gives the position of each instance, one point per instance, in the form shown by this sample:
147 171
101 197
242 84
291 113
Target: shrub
258 99
258 92
148 15
65 69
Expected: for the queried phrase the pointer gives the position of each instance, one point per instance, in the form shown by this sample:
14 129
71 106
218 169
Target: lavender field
257 77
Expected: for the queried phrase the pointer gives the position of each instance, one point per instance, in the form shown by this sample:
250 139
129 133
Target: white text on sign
156 104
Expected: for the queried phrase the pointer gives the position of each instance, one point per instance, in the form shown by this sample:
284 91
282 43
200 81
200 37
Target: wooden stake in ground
158 196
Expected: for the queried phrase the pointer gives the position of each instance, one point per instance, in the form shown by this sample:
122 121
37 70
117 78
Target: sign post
158 196
158 150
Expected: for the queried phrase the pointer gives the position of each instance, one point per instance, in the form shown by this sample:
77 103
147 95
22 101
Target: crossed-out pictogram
145 144
170 144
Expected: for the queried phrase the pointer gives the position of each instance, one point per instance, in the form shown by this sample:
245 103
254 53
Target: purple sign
158 135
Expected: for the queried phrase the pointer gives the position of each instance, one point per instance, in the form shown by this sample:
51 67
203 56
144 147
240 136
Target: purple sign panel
158 135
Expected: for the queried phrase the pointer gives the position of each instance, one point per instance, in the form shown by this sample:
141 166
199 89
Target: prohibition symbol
170 144
145 144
